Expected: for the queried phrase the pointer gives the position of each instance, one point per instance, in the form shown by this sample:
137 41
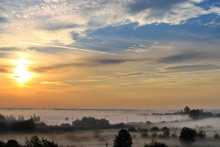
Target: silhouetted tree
12 143
155 144
186 110
36 118
2 117
199 113
123 139
23 126
90 121
188 135
166 133
36 142
155 129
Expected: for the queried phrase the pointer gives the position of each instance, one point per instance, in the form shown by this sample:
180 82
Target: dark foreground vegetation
33 142
124 139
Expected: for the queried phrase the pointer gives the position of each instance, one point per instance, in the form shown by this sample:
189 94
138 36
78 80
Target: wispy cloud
55 83
86 63
66 47
192 68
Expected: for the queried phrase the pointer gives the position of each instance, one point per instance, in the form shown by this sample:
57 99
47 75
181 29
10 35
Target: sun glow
21 73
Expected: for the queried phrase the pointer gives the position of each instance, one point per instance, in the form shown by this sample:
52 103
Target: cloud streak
66 47
86 63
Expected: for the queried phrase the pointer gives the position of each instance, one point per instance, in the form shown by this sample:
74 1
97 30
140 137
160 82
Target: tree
12 143
166 133
155 144
123 139
186 110
188 135
24 126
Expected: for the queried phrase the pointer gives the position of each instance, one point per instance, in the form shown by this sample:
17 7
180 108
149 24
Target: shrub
148 122
132 129
36 142
174 135
201 134
144 134
155 129
154 135
216 135
188 135
166 132
155 144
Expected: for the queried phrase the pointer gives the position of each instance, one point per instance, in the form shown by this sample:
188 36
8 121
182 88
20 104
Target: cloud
64 47
189 56
181 57
55 21
191 68
138 6
86 63
54 83
3 20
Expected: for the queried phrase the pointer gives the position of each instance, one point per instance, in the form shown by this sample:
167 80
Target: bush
201 134
36 142
166 132
10 143
216 135
132 129
154 135
123 139
144 134
174 135
142 129
188 135
155 129
148 122
155 144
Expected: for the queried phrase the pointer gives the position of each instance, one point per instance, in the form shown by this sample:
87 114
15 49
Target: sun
21 73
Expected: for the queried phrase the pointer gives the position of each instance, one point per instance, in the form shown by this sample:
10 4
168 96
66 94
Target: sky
138 54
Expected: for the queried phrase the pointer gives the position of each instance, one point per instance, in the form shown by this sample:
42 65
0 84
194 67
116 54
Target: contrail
68 48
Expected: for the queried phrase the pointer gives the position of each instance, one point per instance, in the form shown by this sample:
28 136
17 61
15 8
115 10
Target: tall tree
123 139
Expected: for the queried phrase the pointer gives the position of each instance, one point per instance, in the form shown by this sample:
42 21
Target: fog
99 138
